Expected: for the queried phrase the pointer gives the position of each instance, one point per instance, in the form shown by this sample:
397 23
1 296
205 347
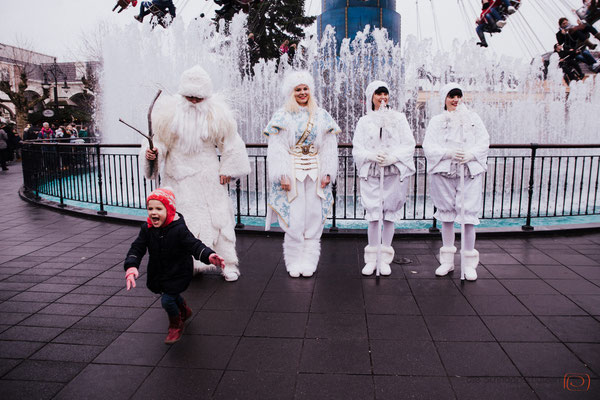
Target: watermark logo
576 382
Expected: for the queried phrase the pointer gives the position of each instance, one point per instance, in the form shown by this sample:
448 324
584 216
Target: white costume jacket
396 140
193 171
284 130
460 129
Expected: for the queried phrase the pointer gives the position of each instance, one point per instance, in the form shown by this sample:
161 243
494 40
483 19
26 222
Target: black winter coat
170 268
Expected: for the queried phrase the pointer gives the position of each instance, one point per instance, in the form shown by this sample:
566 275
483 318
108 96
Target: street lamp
55 71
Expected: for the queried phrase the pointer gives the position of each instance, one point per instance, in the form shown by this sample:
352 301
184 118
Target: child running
170 269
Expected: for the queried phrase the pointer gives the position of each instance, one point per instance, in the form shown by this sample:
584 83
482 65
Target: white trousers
446 195
394 197
305 213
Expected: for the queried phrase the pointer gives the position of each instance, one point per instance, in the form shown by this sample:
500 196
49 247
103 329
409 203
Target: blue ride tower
351 16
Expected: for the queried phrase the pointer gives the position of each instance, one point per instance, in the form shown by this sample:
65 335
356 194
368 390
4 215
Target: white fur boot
370 260
292 251
470 264
231 273
387 256
310 257
446 260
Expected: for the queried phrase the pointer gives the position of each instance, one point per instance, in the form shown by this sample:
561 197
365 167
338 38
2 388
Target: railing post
334 228
60 178
433 228
99 170
238 195
527 226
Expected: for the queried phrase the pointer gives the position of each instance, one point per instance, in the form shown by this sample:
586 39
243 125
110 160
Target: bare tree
14 81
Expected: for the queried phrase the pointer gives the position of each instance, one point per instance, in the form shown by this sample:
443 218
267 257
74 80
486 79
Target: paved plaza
69 329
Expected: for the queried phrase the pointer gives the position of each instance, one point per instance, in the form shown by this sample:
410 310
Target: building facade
44 73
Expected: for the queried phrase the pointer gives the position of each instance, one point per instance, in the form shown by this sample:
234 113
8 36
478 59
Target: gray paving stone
91 382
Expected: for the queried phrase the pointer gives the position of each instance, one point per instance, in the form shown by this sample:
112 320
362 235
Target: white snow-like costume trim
397 141
190 165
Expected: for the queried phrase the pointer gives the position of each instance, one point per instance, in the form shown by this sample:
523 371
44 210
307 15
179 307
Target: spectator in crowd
60 133
29 133
14 144
46 132
83 133
3 146
568 63
284 48
291 53
165 6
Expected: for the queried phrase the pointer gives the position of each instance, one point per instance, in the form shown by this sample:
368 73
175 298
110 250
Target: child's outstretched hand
130 276
217 260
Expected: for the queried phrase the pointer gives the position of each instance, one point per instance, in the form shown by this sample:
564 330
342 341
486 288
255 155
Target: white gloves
372 156
450 154
384 159
130 276
464 157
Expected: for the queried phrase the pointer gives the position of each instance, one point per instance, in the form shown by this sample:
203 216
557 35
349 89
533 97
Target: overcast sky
54 27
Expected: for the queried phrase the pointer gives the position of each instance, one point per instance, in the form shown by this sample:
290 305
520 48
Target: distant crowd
11 142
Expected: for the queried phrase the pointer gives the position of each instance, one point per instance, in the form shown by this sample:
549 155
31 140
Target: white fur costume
187 137
302 211
398 142
462 129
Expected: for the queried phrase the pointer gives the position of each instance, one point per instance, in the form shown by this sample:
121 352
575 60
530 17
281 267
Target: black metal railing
522 181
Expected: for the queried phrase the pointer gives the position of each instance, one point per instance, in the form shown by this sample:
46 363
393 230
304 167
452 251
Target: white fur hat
447 88
370 90
195 82
296 78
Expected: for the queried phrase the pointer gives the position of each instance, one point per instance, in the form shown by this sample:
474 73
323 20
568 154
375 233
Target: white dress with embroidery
284 130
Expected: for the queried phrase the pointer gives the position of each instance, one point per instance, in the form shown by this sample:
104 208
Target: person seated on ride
587 11
124 4
575 36
568 63
158 7
505 6
490 20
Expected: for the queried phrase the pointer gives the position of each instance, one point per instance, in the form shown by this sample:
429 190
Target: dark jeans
171 303
586 57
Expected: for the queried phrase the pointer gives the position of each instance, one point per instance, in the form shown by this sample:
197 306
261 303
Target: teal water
359 224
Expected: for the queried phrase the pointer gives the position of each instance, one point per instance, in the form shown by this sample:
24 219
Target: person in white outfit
302 163
456 142
188 129
383 142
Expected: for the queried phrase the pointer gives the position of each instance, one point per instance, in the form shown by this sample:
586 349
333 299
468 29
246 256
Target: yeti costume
460 129
383 130
187 161
303 147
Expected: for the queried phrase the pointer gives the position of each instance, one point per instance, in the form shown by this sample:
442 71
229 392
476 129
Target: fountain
516 104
